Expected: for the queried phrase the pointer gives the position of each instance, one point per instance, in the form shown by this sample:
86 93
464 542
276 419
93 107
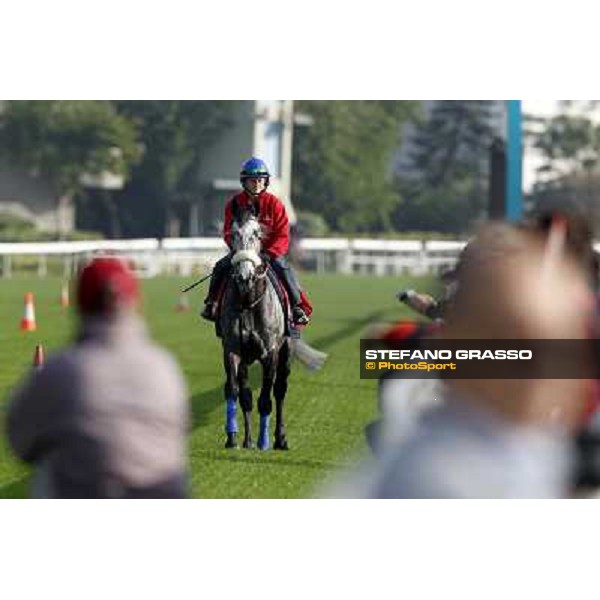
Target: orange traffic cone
38 356
64 296
183 305
28 320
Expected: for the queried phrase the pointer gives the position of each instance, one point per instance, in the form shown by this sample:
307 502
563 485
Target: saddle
279 290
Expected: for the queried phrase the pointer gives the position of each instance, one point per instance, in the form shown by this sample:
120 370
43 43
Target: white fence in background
185 256
379 257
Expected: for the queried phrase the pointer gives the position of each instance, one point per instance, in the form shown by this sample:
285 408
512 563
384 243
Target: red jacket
272 217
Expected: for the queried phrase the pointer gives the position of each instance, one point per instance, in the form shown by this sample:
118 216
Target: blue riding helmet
254 167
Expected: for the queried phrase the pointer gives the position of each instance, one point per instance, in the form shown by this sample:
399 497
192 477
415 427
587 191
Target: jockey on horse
273 218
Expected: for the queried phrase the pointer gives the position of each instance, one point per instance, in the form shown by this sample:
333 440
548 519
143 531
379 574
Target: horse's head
246 262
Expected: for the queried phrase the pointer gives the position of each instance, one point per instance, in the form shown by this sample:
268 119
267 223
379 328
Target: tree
342 163
445 186
311 224
176 135
65 140
444 209
569 144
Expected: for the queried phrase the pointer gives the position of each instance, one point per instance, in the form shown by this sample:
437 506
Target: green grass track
325 412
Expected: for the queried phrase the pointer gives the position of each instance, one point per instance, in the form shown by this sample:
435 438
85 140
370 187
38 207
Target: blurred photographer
108 416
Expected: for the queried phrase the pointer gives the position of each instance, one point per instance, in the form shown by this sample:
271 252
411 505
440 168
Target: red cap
104 285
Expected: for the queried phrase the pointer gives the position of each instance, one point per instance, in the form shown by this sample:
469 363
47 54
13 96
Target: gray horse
252 324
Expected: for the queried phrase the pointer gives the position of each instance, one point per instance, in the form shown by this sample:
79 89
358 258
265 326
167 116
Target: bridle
251 256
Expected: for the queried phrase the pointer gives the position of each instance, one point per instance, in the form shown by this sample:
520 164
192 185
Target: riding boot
299 316
286 274
209 312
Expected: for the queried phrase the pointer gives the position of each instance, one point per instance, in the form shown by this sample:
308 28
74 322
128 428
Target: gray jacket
106 418
459 451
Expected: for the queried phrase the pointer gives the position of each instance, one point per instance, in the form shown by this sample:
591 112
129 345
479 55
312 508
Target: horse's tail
310 358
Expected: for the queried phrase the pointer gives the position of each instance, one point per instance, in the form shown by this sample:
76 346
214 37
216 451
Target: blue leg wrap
263 436
231 421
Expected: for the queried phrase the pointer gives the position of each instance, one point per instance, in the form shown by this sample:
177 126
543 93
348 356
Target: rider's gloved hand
405 295
422 303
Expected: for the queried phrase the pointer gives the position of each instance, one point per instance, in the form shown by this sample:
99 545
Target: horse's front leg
265 406
279 391
245 403
231 362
